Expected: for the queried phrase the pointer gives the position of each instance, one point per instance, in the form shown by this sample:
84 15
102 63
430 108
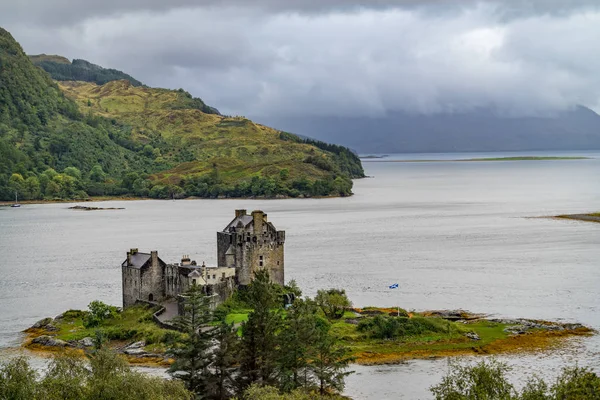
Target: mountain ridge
480 130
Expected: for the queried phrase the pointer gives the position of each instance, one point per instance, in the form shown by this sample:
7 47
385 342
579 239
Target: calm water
453 235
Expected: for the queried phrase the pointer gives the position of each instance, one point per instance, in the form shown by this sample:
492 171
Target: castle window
277 262
214 276
193 282
260 263
261 258
223 275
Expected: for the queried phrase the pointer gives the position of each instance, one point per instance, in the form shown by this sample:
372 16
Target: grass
238 147
133 324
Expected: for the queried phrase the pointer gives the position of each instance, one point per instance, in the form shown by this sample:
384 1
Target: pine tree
330 362
259 345
192 354
224 361
296 341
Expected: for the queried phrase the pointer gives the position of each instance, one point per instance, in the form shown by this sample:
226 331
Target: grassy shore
469 336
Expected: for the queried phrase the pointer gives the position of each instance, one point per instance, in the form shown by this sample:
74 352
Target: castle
248 243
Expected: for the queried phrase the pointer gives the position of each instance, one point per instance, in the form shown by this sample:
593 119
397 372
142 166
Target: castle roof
138 260
243 219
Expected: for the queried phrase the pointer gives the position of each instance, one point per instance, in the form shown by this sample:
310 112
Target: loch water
451 234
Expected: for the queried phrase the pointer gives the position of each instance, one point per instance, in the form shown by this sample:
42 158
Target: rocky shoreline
41 337
518 335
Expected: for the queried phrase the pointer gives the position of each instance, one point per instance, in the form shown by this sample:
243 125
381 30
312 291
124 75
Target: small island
520 158
525 158
84 208
373 335
591 217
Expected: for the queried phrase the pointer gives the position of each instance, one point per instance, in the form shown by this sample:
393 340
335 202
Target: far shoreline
487 159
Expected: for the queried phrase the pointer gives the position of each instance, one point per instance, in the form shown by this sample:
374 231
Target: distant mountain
74 139
61 69
480 130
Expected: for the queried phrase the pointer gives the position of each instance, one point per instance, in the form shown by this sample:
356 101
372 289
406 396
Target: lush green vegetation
122 140
79 70
103 376
488 380
134 323
388 327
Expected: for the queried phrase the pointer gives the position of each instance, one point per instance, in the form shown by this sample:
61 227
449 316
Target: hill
211 155
119 139
61 69
479 130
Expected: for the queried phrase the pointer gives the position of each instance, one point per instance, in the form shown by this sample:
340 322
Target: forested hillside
61 69
118 139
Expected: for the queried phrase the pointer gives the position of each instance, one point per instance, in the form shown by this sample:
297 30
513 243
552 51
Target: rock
42 323
86 342
352 321
49 341
515 329
572 326
51 328
135 352
136 345
473 336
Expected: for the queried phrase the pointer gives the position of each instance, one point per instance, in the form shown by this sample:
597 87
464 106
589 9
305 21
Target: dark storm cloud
61 12
333 57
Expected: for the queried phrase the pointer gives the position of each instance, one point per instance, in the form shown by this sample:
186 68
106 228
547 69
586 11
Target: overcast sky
279 58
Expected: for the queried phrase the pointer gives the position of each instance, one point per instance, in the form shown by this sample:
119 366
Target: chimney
154 255
258 217
239 213
185 260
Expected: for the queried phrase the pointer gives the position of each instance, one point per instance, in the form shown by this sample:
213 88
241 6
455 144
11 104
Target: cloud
302 58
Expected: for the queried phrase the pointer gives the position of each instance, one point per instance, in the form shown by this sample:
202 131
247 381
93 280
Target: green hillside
119 139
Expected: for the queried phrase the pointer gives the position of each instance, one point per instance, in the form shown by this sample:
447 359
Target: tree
333 302
330 362
73 172
98 313
259 351
66 378
486 380
16 183
192 353
224 360
97 174
576 383
296 343
17 380
31 188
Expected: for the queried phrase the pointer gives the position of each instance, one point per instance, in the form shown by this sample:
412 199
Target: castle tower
250 243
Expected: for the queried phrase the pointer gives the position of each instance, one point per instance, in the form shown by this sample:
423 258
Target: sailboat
16 201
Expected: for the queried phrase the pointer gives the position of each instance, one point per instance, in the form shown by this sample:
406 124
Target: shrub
333 302
385 327
98 313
